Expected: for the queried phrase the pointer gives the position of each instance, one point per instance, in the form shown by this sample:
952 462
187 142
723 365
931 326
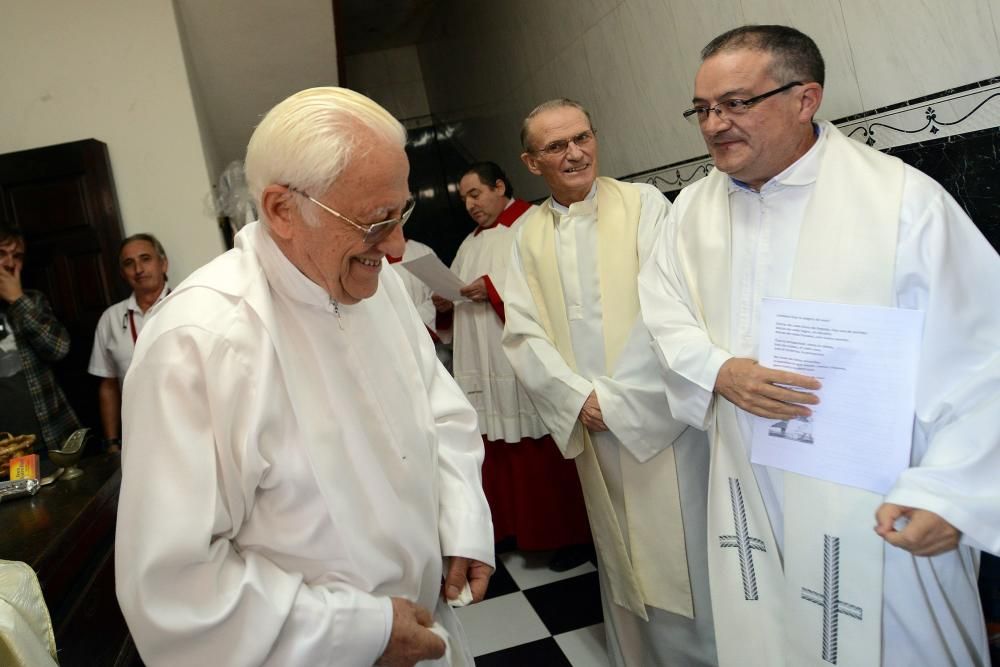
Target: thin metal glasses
556 148
729 108
374 232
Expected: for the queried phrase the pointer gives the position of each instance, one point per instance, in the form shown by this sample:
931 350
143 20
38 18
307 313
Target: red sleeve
495 299
444 321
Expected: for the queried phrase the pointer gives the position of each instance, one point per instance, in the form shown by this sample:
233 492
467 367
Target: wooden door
63 198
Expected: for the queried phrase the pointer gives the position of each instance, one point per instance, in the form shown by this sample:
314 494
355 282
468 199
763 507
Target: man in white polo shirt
143 263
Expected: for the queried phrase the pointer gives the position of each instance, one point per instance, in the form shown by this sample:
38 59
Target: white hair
308 139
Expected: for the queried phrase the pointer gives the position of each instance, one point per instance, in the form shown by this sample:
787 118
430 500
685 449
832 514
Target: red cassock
534 494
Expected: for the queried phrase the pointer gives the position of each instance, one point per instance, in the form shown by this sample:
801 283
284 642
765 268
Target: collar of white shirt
588 205
133 305
801 172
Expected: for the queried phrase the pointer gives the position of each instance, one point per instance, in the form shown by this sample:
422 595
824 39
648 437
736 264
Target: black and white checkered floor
534 617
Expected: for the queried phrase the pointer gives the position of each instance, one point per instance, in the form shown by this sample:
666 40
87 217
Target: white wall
632 63
113 70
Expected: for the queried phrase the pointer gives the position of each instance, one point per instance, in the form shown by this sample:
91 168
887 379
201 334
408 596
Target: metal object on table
71 451
18 488
49 479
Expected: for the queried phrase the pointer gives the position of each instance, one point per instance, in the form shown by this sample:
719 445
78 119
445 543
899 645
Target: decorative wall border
947 113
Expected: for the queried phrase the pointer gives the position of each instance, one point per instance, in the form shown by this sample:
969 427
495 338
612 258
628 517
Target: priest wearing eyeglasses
302 481
806 571
575 339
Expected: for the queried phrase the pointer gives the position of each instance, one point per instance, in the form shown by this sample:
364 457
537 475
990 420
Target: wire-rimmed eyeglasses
734 107
560 146
374 232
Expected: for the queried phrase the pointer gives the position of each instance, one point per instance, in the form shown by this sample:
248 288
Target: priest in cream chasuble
575 339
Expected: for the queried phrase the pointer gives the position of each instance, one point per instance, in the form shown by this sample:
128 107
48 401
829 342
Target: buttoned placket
566 233
756 260
334 307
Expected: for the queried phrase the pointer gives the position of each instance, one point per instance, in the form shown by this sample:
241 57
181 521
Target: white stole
656 574
823 605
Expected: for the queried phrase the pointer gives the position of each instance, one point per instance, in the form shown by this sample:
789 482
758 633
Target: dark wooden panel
66 533
63 199
50 206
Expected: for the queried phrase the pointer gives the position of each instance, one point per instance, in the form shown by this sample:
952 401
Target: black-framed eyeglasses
560 146
735 107
374 232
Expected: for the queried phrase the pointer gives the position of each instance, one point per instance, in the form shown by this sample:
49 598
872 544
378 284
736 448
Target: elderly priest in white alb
299 462
806 572
577 343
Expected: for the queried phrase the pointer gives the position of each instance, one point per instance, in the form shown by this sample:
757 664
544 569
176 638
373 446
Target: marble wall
952 135
632 63
391 77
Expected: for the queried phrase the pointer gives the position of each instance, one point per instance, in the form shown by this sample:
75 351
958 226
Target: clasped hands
591 415
775 394
411 641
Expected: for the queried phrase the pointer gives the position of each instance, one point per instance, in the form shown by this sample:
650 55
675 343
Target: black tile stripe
540 653
501 583
569 604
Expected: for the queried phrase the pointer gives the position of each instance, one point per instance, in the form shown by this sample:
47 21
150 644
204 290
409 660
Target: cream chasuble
657 572
822 604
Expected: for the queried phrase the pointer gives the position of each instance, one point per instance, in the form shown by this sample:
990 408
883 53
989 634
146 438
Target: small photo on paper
798 429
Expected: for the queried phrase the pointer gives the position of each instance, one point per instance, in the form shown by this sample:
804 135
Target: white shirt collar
801 172
588 205
134 305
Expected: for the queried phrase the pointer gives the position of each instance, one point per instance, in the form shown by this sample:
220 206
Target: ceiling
244 56
367 25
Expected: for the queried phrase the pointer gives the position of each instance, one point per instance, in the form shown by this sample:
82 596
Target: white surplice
292 464
418 290
931 612
480 366
635 411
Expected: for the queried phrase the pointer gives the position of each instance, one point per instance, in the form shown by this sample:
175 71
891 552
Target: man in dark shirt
30 339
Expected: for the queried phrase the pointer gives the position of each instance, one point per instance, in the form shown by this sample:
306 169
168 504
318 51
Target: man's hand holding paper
764 391
476 290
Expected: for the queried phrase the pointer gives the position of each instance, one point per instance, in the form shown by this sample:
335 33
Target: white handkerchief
439 630
464 598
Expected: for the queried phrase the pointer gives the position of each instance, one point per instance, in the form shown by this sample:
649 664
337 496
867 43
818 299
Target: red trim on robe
507 216
393 260
444 321
434 336
534 494
495 299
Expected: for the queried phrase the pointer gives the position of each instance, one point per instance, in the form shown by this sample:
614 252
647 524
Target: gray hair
795 56
148 238
556 103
